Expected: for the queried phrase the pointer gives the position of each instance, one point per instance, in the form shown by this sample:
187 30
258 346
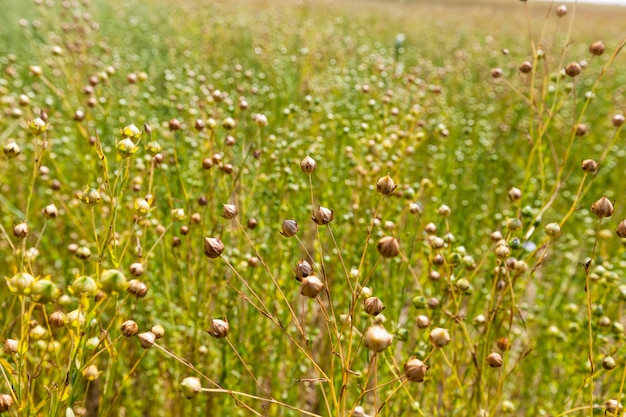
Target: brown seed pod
373 306
323 215
589 166
496 72
129 328
146 339
289 228
388 247
621 229
377 339
415 370
213 247
439 337
229 211
385 185
494 359
302 270
525 67
219 328
603 207
596 48
308 165
311 286
573 69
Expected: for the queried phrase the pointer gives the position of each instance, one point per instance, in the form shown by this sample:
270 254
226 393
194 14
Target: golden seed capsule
439 337
377 339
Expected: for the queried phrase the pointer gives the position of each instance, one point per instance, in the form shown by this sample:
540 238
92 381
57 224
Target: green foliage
127 126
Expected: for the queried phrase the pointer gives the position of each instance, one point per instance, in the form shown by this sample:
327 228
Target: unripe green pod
21 283
113 281
45 291
84 285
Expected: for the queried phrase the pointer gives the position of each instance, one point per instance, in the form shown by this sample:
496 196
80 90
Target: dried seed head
12 149
603 207
496 72
373 306
621 229
502 251
613 406
20 230
423 321
50 211
439 337
6 402
430 228
494 359
308 165
377 339
57 319
158 331
385 185
561 10
289 228
219 328
503 344
10 346
146 339
136 269
83 253
618 120
323 215
444 210
174 125
252 224
311 286
415 370
129 328
526 67
388 247
229 123
581 129
191 386
302 270
260 120
552 229
515 194
590 166
573 69
229 211
21 283
608 363
436 242
596 48
91 373
137 288
213 247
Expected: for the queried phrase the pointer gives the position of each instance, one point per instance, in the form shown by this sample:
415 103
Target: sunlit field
314 208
